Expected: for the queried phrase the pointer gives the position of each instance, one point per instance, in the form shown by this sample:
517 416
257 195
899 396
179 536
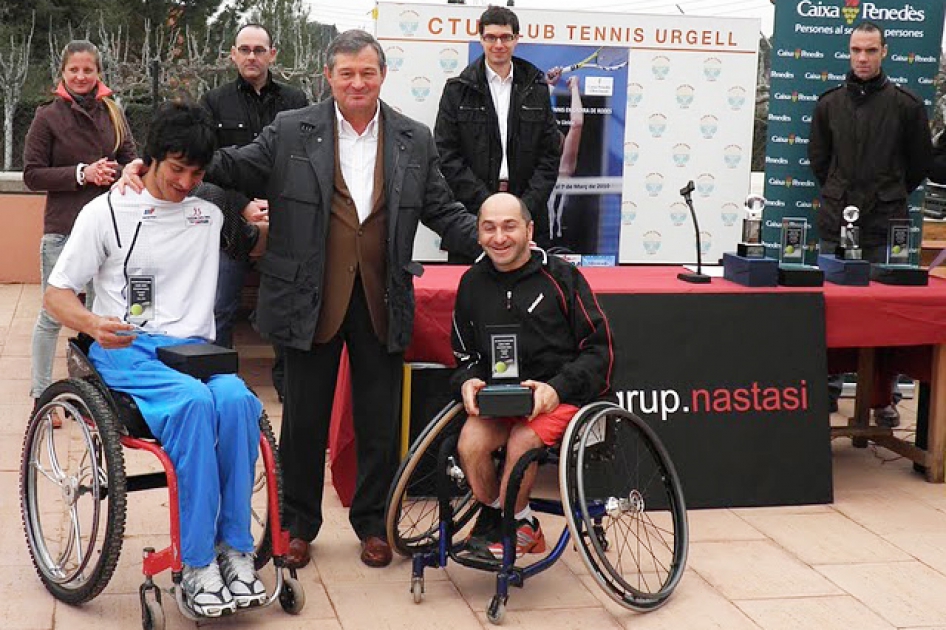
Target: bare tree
14 67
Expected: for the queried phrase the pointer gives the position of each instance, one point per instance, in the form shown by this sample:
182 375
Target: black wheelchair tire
448 420
101 432
585 528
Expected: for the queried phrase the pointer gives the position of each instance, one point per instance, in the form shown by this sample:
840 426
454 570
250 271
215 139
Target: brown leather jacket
62 135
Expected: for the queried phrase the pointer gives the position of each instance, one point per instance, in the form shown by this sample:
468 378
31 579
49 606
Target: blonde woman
75 146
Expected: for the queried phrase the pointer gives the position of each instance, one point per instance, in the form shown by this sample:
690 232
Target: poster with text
648 103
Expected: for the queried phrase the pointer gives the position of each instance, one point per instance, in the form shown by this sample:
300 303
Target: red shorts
550 427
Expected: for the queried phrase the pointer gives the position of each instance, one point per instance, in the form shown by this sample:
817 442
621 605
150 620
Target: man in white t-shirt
152 258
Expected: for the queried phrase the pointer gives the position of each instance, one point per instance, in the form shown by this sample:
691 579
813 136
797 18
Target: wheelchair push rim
412 516
627 514
72 491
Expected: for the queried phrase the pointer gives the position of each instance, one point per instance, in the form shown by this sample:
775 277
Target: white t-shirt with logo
176 245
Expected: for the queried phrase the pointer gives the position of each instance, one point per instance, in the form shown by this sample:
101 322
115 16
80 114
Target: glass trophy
849 247
751 245
794 232
504 396
899 242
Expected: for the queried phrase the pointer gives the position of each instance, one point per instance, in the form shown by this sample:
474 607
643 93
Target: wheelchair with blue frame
73 488
621 500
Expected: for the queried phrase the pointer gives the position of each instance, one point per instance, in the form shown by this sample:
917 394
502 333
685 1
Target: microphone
699 277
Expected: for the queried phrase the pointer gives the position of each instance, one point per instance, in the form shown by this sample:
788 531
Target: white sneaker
205 591
240 575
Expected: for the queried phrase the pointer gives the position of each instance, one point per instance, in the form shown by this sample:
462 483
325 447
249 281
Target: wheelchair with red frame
621 500
73 488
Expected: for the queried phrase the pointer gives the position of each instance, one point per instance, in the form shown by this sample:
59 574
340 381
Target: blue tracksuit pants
209 430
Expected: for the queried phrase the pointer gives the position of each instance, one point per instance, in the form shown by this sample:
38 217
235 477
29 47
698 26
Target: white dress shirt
357 155
501 91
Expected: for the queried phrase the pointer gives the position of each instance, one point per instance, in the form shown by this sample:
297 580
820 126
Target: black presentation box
800 276
900 275
200 360
504 401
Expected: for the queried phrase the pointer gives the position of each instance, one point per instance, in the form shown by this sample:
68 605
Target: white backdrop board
678 105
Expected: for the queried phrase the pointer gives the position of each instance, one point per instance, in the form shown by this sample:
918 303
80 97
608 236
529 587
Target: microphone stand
699 277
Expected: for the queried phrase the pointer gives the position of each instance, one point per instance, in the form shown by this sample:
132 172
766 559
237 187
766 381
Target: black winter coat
467 134
564 337
292 164
869 147
239 115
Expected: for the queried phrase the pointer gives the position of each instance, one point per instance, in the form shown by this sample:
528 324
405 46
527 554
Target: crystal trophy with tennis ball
792 269
751 245
794 232
899 242
504 396
849 246
902 241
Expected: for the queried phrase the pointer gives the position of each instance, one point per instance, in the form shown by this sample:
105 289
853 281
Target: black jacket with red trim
564 338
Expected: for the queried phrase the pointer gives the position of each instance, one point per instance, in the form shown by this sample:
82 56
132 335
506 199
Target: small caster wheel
496 610
292 597
417 589
152 616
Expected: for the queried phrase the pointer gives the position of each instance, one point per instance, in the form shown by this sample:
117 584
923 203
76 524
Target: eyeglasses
505 38
259 51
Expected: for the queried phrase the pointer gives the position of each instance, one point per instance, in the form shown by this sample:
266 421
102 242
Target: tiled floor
874 559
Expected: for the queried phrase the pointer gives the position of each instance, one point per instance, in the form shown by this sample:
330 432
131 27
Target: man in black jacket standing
869 147
495 128
563 353
240 109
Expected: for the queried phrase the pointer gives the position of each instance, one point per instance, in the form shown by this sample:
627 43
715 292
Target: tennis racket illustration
608 59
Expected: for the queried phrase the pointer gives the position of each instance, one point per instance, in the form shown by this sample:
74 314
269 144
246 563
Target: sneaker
240 575
529 539
887 416
487 528
205 592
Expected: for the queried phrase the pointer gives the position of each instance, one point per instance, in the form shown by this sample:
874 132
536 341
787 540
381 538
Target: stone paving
874 559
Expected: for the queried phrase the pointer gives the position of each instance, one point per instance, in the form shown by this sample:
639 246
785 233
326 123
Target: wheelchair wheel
259 502
412 516
72 491
627 516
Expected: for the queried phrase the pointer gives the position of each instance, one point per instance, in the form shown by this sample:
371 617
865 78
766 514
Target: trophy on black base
751 245
749 266
898 269
504 396
792 270
847 266
849 248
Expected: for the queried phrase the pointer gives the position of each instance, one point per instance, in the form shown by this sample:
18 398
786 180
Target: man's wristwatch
80 173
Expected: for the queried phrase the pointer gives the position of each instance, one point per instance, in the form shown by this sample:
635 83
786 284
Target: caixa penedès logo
851 10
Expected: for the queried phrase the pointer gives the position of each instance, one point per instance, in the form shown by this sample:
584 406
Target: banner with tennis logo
645 103
810 56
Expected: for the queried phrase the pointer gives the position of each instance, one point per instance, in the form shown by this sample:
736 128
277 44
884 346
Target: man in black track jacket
564 354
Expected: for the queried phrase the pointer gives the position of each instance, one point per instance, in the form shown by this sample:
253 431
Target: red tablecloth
911 318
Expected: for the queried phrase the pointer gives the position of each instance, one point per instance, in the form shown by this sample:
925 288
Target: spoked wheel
259 502
72 491
627 514
412 515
